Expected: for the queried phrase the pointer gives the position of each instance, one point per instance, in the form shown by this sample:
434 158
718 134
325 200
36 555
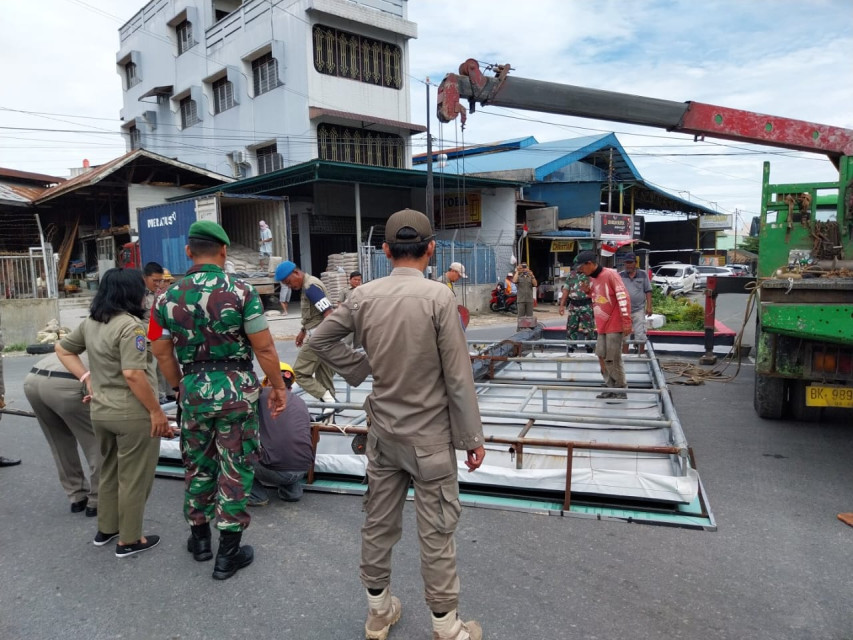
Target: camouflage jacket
208 315
573 286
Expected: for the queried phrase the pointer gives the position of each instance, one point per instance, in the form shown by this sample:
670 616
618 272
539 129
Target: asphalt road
777 568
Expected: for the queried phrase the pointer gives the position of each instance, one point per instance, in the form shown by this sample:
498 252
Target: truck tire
40 348
769 397
799 410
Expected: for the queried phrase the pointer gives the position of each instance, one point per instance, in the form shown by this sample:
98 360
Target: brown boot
450 627
382 611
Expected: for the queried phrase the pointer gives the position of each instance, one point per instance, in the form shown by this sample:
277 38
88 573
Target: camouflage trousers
219 449
580 324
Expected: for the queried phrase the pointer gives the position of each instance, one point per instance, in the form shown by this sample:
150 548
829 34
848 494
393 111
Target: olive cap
208 230
415 220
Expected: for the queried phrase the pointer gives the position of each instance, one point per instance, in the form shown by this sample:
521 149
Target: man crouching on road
422 407
215 322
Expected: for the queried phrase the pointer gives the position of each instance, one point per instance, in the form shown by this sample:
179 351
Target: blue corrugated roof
543 158
489 147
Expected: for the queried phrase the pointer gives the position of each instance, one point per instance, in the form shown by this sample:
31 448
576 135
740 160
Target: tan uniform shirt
112 347
423 386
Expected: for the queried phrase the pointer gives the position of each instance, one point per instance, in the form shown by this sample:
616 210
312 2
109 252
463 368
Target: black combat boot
231 557
198 543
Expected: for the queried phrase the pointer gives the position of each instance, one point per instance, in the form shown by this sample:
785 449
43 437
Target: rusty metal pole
567 499
710 321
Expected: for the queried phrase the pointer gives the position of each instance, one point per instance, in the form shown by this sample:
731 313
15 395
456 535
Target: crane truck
804 330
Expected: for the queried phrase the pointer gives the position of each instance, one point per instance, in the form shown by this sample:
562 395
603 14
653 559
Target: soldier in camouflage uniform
580 324
214 322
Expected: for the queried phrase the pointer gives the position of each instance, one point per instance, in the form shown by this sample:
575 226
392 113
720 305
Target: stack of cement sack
336 276
246 261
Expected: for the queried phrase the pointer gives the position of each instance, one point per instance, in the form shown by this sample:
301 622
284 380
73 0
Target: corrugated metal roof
98 173
544 158
19 194
315 171
26 176
535 162
489 147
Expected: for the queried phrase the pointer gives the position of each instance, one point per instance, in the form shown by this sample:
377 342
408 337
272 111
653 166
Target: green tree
749 243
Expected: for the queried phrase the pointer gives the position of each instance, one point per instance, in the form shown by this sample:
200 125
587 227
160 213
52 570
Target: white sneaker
328 397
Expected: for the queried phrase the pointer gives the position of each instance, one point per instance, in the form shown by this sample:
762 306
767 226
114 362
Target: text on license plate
818 396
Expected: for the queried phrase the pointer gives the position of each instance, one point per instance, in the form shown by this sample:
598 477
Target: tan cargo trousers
313 375
390 467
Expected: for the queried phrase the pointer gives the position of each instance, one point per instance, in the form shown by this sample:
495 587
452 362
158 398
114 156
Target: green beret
208 230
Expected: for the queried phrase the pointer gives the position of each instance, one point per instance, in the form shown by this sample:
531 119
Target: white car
676 279
703 271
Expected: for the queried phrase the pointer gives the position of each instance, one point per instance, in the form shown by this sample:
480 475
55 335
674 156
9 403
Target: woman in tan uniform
126 415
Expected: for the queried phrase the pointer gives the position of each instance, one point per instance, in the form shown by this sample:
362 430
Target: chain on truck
804 335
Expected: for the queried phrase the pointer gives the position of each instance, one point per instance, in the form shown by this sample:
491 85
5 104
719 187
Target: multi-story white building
245 88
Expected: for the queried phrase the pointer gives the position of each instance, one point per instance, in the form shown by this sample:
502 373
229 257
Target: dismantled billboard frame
553 446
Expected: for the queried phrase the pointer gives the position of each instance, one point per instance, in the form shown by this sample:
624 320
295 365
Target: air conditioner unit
237 157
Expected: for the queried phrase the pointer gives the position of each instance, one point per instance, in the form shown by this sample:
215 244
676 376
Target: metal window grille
130 75
184 33
269 159
135 138
360 146
347 55
189 113
264 74
223 95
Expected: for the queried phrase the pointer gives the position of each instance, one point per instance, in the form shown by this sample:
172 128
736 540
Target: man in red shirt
612 310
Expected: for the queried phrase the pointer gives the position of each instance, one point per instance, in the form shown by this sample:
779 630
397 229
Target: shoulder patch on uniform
139 331
140 342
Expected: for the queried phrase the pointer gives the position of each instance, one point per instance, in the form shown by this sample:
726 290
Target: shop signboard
459 210
715 222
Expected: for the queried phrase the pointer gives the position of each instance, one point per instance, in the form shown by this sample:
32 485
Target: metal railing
28 276
487 259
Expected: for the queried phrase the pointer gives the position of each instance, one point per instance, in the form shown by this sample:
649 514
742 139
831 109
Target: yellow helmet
286 373
167 275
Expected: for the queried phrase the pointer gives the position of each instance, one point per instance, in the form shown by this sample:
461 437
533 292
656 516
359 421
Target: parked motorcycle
501 301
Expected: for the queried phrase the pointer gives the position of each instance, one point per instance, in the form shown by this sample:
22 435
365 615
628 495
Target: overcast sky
785 58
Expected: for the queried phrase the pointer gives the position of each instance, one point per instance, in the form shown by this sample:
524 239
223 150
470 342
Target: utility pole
430 199
735 251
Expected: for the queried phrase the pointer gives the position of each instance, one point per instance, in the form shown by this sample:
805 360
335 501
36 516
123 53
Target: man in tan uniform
423 406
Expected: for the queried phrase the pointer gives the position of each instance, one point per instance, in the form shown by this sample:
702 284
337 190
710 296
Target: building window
135 138
184 33
223 95
189 112
264 74
269 159
360 146
347 55
130 75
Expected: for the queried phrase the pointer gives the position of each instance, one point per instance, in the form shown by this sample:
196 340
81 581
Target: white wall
280 115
